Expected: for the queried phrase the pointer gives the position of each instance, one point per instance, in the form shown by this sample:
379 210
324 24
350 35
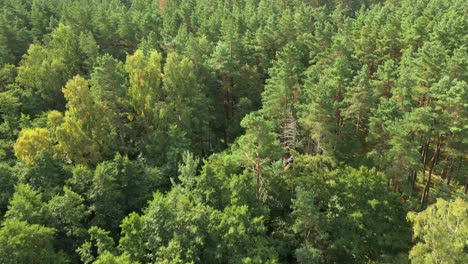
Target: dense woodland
233 131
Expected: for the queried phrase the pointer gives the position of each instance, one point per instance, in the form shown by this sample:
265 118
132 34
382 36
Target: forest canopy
221 131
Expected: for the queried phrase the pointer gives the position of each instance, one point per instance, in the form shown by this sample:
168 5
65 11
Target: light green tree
44 74
442 233
133 238
21 242
26 205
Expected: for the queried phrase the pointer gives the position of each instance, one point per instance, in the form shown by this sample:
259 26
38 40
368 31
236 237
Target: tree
43 15
65 44
242 237
258 148
86 136
283 89
26 205
44 74
109 83
451 113
212 185
442 232
404 157
307 222
15 34
385 79
225 131
171 223
8 74
46 175
145 85
99 242
376 34
119 187
10 126
137 181
133 237
7 183
186 104
164 148
109 86
32 141
108 258
457 63
366 219
177 230
153 108
45 69
188 171
67 214
317 117
358 101
21 242
67 211
107 198
81 180
338 213
225 64
381 121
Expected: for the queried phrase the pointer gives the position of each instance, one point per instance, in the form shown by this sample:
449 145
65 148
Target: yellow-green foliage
443 232
145 81
30 142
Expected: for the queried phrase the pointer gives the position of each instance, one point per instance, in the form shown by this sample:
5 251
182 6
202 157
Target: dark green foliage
10 123
46 174
67 214
345 214
118 188
7 183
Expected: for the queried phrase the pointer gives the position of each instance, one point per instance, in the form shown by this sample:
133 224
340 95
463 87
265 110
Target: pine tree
358 100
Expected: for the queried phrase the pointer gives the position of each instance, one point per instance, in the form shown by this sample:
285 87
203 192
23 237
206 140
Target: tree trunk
425 151
452 169
443 173
358 123
447 173
412 180
258 176
466 186
289 134
395 184
433 161
317 147
225 99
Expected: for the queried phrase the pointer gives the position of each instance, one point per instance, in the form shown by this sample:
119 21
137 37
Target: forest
233 131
